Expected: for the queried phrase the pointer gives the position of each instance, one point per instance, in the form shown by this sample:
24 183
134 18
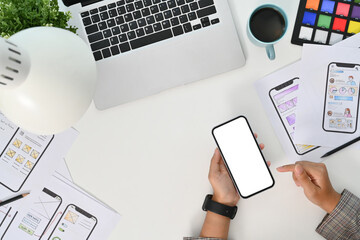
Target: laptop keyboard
130 24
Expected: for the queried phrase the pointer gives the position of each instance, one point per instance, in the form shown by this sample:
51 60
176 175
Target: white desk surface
149 159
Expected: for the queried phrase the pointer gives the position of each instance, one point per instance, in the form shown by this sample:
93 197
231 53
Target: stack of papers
313 103
56 208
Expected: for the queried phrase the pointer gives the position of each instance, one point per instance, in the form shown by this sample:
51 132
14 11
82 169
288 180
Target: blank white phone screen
242 156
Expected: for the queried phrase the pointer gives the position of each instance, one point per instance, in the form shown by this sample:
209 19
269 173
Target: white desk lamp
47 79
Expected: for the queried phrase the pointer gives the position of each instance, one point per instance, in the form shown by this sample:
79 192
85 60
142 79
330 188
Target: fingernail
278 168
299 170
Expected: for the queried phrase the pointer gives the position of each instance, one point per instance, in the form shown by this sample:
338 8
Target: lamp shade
56 80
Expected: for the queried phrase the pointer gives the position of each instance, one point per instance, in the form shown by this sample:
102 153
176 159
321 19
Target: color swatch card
326 21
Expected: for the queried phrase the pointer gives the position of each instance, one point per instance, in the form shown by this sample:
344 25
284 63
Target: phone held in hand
243 157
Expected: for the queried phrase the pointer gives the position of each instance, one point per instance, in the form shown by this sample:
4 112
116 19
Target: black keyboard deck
130 24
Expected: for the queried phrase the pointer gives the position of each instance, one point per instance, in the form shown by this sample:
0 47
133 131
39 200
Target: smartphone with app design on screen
243 157
284 98
341 98
75 223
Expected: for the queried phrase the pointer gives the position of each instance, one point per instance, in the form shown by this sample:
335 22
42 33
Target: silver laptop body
208 45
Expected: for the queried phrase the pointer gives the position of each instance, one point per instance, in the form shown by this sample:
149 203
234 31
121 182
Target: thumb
303 179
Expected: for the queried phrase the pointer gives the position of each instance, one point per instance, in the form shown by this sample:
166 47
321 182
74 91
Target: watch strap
218 208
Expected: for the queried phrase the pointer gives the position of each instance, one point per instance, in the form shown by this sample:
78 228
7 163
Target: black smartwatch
221 209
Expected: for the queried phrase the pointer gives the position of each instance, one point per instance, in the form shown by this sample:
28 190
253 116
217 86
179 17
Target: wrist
225 200
331 202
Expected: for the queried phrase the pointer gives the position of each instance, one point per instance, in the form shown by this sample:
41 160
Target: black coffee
267 25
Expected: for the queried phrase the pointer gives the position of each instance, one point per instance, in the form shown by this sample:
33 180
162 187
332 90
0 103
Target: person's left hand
224 190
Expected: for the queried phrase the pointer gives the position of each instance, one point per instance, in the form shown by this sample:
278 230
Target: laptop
143 47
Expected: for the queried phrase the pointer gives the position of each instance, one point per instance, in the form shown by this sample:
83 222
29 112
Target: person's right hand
314 179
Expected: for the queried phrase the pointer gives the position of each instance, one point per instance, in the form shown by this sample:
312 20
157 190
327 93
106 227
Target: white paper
312 126
60 210
264 88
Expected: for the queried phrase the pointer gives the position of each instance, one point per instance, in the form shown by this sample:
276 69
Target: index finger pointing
286 168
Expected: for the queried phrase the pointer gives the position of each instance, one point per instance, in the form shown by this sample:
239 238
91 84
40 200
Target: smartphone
243 157
75 223
284 98
20 157
34 223
341 98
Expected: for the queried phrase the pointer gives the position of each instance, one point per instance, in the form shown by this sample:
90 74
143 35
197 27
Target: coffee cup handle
270 51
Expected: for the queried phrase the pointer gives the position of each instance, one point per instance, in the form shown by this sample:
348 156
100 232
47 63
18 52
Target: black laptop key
121 10
115 30
168 14
166 24
180 2
215 21
189 1
106 53
107 33
124 28
123 38
185 9
149 39
206 11
183 19
145 12
149 29
115 50
141 22
156 1
205 3
104 15
124 47
85 14
113 13
131 35
100 45
171 3
111 22
147 3
95 37
154 9
87 21
120 3
129 1
178 30
137 14
94 11
157 27
140 32
103 8
119 20
205 22
102 25
187 27
97 56
139 4
163 6
176 11
150 19
91 29
159 17
175 21
192 16
194 6
95 18
130 7
133 25
111 5
197 26
128 17
114 40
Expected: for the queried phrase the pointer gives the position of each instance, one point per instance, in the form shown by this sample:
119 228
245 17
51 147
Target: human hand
314 179
224 189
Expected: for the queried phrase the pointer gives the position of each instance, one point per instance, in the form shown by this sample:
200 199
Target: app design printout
75 223
20 155
342 98
32 224
285 101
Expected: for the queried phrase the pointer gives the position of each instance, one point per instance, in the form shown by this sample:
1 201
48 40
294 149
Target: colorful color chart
326 21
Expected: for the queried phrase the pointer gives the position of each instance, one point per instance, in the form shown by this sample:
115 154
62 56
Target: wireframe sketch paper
279 95
329 98
27 159
60 210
